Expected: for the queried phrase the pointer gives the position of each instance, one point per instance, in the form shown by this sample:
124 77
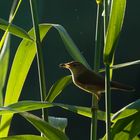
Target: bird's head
74 66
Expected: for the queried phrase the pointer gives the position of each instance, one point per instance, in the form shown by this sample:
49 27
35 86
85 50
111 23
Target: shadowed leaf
50 132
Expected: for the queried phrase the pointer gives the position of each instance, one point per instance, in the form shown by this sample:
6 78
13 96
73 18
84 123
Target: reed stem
98 40
40 61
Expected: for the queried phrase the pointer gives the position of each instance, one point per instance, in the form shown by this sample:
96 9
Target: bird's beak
64 65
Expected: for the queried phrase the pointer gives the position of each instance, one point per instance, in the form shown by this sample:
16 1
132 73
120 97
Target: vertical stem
94 120
106 16
40 62
98 40
108 102
107 76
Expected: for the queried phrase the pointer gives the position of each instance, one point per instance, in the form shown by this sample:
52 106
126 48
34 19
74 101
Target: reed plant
124 124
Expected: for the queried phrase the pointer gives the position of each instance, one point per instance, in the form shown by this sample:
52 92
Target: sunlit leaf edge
126 111
23 137
15 30
23 106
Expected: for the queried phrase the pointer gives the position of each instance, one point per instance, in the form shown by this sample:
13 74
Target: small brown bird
90 81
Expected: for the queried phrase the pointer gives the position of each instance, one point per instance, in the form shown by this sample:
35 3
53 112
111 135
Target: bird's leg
94 108
98 95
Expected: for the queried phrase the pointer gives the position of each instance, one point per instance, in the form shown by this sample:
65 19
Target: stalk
107 76
106 16
40 62
98 40
108 102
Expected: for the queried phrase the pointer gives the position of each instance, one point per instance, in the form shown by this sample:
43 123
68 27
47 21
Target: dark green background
78 17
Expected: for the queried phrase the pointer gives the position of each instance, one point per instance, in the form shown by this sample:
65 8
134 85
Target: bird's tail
122 87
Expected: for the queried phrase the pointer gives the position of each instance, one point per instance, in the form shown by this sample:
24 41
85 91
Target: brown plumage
90 81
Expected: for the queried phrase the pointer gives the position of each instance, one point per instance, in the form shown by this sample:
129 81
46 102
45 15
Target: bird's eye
74 65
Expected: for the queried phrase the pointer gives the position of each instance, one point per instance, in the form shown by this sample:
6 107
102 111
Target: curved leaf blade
23 137
23 106
122 65
114 29
84 111
4 61
15 30
136 62
57 88
50 132
70 45
126 111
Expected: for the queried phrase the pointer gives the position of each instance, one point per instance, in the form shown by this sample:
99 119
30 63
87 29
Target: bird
91 81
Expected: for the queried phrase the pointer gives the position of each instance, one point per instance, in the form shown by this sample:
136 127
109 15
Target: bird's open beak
64 65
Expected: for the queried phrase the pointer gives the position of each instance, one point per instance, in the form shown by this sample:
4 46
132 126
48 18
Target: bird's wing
90 78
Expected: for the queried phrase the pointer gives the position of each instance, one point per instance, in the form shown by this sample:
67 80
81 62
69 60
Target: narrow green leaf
11 18
50 132
85 111
57 88
4 61
15 30
126 64
114 28
24 137
70 45
126 111
23 106
123 65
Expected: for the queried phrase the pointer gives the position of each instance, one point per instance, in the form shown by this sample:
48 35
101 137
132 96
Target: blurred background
78 18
